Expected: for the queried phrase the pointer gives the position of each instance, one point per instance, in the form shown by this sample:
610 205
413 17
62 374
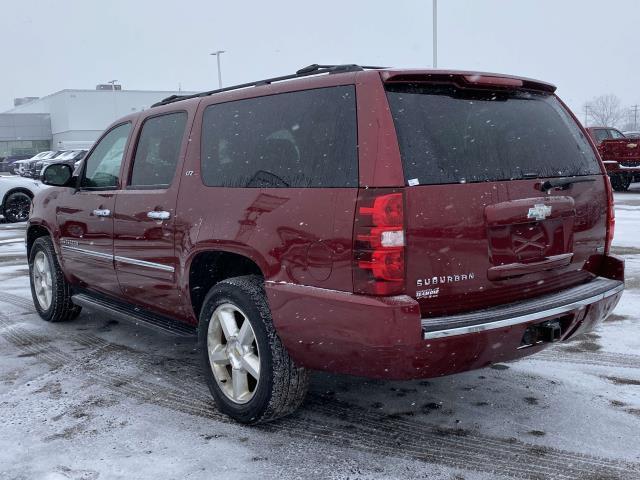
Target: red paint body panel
379 154
381 337
452 245
79 227
301 239
272 227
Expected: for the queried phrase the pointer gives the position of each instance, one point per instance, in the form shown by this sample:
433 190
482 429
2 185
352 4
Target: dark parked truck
386 223
621 156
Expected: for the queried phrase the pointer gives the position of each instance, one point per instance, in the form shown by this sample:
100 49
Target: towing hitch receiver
550 331
546 332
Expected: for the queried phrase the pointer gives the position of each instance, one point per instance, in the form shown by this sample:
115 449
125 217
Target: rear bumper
531 311
380 337
615 168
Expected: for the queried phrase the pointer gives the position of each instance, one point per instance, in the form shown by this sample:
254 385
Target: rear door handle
155 215
102 212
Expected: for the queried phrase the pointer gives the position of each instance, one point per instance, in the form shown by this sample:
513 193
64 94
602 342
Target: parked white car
16 194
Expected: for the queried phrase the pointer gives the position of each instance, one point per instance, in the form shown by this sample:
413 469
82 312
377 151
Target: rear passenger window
297 139
158 149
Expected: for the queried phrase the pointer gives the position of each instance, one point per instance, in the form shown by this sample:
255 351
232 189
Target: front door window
103 165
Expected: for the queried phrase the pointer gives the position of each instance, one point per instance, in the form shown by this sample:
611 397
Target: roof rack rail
313 69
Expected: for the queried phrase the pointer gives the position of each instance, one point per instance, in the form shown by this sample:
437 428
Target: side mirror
57 175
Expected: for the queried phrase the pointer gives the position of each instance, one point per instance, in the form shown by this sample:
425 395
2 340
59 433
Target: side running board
133 315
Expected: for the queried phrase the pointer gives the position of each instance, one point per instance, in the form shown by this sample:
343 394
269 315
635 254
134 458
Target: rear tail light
611 217
379 241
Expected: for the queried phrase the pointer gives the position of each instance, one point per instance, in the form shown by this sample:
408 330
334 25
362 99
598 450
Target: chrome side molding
144 263
90 253
117 258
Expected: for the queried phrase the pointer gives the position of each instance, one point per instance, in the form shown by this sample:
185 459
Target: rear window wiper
563 182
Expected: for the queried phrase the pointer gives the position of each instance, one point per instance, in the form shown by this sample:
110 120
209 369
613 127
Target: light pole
217 54
435 33
635 116
586 114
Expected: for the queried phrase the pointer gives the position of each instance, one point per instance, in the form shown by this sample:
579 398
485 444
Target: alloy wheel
233 353
17 207
42 280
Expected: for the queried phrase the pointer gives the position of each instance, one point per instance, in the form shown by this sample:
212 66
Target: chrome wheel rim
234 355
42 280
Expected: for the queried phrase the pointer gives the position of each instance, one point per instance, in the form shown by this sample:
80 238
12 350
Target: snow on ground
96 398
627 207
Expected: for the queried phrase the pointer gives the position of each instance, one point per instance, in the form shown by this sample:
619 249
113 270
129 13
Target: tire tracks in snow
597 359
600 359
322 419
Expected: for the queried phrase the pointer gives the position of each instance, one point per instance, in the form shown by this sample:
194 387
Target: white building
69 118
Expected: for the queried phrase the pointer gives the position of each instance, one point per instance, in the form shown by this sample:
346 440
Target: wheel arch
33 233
16 190
208 267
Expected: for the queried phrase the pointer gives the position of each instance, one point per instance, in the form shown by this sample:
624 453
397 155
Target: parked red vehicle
621 156
386 223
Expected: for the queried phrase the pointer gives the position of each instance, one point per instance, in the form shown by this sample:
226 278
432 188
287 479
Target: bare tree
604 111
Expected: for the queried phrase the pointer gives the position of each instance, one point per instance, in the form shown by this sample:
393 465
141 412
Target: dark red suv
620 155
386 223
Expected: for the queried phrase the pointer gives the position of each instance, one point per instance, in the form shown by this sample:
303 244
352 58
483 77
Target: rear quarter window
297 139
450 135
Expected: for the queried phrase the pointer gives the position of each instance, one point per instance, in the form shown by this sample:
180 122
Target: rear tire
271 386
620 183
50 290
16 207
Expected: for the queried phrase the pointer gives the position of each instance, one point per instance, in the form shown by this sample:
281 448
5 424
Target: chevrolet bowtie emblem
539 211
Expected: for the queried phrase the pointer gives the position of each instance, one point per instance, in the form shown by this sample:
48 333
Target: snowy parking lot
97 398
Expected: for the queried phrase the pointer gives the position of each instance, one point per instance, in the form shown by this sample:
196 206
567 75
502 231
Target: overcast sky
585 47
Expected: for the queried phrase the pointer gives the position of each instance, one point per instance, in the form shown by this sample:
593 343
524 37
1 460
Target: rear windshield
450 135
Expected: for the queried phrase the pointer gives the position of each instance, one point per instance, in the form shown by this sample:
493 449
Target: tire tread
289 382
62 308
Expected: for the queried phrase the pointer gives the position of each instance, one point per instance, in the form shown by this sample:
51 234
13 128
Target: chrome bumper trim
507 322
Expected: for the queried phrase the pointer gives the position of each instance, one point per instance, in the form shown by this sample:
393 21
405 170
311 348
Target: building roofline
25 113
111 92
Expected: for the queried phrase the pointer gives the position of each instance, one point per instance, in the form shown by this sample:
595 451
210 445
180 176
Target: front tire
16 207
248 371
50 290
